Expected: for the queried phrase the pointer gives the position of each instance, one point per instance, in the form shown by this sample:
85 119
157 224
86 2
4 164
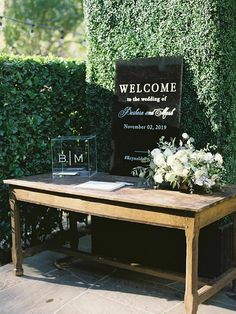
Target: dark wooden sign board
146 107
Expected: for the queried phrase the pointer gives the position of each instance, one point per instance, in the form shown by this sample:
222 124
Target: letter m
164 87
78 159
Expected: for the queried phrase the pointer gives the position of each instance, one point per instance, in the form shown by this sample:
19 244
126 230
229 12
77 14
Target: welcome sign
146 107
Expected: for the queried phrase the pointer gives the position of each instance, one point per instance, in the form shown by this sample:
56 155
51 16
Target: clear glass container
74 155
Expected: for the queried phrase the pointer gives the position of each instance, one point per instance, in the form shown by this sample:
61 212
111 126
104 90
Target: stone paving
90 288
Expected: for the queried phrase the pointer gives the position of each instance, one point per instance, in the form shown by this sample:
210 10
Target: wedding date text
148 127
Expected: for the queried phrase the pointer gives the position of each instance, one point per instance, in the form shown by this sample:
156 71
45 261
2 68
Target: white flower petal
218 158
155 151
185 136
168 152
158 178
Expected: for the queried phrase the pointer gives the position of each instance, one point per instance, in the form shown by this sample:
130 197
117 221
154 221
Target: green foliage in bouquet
183 164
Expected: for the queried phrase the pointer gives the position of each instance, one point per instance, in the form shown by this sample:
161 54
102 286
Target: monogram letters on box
74 155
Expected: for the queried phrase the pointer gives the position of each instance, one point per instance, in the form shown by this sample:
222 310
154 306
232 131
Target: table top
129 194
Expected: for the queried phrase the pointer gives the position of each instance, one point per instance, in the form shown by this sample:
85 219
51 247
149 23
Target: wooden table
155 207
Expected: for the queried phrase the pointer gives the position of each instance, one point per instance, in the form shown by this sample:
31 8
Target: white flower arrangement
182 165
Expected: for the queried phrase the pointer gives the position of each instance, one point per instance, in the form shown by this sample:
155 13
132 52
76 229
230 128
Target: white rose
155 151
208 157
158 178
201 155
159 160
168 152
218 158
178 169
194 156
185 136
199 181
170 160
182 155
184 159
198 174
170 176
185 173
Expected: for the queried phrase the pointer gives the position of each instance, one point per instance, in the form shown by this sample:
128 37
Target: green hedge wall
40 98
203 32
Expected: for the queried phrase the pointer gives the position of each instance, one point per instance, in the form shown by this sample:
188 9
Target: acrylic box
74 155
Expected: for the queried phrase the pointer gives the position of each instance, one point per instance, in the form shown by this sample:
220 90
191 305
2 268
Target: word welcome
158 112
147 88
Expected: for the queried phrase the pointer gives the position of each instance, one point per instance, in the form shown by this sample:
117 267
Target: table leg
16 235
191 285
74 236
234 252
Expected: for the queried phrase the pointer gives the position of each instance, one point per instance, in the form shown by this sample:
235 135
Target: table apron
214 213
111 209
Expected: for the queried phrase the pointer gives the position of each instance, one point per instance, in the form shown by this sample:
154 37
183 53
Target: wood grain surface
128 194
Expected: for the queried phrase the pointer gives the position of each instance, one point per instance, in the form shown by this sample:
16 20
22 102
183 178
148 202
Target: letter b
61 158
